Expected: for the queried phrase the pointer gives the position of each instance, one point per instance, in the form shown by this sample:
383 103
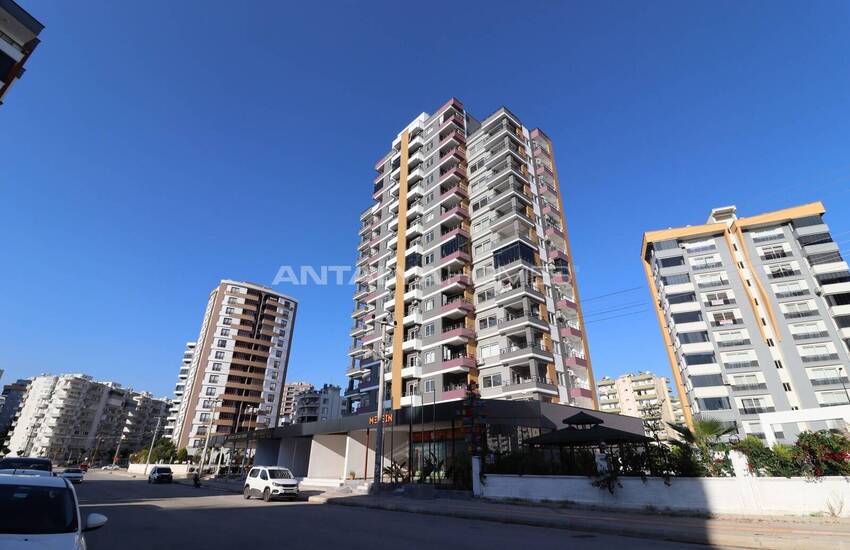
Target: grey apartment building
18 39
755 314
464 261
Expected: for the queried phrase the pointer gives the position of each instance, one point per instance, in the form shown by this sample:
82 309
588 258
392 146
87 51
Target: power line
616 316
642 303
632 289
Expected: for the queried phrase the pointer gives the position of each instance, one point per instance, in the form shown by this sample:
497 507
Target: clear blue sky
148 139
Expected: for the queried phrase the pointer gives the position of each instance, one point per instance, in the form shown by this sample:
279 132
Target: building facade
755 315
180 389
18 39
290 394
644 395
73 418
238 368
319 404
465 265
13 395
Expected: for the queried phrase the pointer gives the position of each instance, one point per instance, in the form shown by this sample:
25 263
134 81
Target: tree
182 455
702 444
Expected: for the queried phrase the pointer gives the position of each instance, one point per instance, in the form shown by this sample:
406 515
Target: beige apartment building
238 369
643 395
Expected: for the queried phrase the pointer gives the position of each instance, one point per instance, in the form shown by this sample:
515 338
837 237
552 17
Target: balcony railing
793 293
810 335
819 357
726 322
749 387
829 381
741 364
756 410
783 274
800 314
703 267
766 238
733 343
712 284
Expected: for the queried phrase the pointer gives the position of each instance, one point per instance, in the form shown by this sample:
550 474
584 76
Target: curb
715 540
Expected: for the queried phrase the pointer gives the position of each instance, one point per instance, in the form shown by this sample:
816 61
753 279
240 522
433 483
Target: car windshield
73 471
280 474
28 510
163 470
24 464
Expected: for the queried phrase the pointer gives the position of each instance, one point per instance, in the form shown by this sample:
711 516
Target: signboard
388 418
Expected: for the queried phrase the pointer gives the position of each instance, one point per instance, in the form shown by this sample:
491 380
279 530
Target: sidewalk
731 532
234 485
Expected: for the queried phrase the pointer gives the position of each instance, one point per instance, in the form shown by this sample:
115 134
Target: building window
430 357
222 343
429 385
429 329
204 417
429 304
227 321
225 332
216 367
210 392
228 310
213 379
219 355
278 353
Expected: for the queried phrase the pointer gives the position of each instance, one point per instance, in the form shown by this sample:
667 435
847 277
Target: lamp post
153 440
379 429
207 440
843 385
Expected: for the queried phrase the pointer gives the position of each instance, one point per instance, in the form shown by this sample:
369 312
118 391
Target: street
143 516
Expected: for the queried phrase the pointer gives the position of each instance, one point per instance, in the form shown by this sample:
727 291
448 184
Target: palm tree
703 439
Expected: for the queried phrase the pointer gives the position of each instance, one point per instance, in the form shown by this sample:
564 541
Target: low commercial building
329 452
643 395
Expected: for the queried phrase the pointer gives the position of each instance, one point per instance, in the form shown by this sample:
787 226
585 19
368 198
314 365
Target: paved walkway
731 532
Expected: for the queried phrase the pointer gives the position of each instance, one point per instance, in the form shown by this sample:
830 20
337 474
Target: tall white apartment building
70 417
644 395
238 368
180 389
18 39
755 315
465 259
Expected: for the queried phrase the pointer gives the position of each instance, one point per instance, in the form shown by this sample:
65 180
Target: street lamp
843 385
379 436
207 440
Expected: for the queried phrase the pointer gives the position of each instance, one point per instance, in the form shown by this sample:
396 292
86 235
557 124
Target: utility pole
207 440
153 440
379 429
841 378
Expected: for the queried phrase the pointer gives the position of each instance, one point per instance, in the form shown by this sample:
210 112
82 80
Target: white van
270 482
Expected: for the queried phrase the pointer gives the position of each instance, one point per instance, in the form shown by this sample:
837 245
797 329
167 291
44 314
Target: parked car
42 512
110 467
160 474
74 475
84 467
26 465
270 482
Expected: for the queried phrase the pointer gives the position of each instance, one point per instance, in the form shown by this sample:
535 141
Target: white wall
732 495
176 469
327 457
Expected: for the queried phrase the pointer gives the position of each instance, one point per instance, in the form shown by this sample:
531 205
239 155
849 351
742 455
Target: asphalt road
149 517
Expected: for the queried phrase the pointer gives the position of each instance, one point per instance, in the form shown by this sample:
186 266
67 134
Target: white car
110 467
74 475
42 512
270 482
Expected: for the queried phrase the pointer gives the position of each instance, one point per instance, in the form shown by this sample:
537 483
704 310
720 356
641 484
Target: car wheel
267 494
149 480
246 493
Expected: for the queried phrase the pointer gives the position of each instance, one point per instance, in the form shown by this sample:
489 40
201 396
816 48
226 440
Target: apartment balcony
415 228
451 234
357 350
510 188
801 314
741 364
412 371
518 353
516 231
532 384
457 334
456 307
570 331
412 318
551 209
742 388
454 392
411 400
810 335
358 329
517 322
561 278
566 305
411 343
733 343
459 363
515 293
455 282
508 214
453 193
573 361
457 258
556 236
458 213
455 174
843 381
454 136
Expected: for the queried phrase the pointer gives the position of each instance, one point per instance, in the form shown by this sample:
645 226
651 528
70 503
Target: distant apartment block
319 404
18 38
71 417
644 395
11 399
755 315
180 389
290 395
238 368
464 254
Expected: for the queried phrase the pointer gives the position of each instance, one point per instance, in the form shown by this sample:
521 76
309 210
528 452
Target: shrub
822 453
